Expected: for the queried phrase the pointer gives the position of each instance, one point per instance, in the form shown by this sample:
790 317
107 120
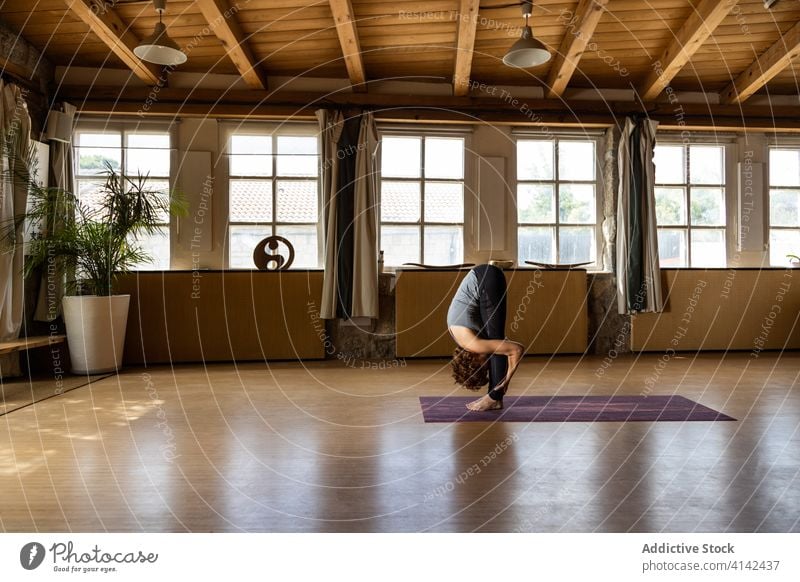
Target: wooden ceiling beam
430 108
775 59
467 28
580 29
705 18
108 26
351 47
222 19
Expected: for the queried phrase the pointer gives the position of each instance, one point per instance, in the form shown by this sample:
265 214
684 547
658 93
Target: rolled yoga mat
570 409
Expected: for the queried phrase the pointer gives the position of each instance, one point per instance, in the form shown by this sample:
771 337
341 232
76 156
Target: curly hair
469 369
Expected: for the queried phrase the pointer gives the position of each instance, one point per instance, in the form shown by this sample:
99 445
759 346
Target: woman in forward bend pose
476 320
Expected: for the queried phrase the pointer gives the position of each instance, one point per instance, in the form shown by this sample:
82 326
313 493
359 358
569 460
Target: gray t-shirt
465 309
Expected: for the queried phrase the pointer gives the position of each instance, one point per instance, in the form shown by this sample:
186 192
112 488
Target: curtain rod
417 127
594 132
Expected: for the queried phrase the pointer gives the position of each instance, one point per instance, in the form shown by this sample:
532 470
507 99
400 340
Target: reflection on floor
329 447
18 392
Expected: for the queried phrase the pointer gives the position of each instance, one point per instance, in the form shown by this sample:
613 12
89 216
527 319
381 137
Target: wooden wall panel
547 311
722 309
222 316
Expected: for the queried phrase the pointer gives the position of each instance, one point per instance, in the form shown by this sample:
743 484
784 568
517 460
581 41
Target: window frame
422 134
791 142
273 131
598 182
125 127
729 188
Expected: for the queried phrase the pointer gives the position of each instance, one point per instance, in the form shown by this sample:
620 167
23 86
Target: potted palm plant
93 244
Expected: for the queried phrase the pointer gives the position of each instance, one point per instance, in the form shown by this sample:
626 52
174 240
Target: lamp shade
160 49
527 51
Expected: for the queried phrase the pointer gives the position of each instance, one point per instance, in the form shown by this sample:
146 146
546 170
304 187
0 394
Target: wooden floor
24 391
327 447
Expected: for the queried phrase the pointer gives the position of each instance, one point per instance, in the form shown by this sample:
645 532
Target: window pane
784 167
444 245
536 243
400 244
160 189
576 244
706 165
670 165
708 248
156 245
400 201
251 155
672 247
304 241
444 158
400 157
781 243
536 203
92 161
90 194
297 201
535 160
243 241
708 206
297 156
251 200
577 204
100 139
144 162
784 208
576 160
444 202
148 140
670 206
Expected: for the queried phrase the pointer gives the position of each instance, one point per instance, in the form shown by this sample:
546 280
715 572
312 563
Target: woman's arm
514 358
469 340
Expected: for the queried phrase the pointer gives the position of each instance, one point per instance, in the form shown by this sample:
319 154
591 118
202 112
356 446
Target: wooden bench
27 343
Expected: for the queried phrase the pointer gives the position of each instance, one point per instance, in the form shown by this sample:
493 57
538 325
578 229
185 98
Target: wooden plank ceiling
442 40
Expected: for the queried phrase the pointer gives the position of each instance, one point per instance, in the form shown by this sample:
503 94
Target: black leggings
492 287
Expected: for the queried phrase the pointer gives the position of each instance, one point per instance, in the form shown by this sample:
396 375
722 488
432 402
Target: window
129 152
784 204
557 200
690 205
422 200
273 195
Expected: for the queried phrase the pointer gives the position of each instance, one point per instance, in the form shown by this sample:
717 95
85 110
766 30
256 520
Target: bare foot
485 403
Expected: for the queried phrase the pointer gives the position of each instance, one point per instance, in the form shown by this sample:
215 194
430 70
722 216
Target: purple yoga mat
570 409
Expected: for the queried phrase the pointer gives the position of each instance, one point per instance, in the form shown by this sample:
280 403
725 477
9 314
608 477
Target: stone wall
608 330
367 340
31 71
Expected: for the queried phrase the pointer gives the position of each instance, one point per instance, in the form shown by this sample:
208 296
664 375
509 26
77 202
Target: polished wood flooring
24 391
327 447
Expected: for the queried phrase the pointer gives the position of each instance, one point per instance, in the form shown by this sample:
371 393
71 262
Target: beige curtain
331 124
350 218
15 124
51 288
638 268
365 259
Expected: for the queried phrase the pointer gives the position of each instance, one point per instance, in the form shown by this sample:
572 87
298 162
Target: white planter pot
96 331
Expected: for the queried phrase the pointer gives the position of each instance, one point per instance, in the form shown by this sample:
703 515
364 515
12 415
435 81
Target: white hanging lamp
159 48
527 51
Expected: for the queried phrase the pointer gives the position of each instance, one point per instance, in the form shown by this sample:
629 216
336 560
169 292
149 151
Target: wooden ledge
27 343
